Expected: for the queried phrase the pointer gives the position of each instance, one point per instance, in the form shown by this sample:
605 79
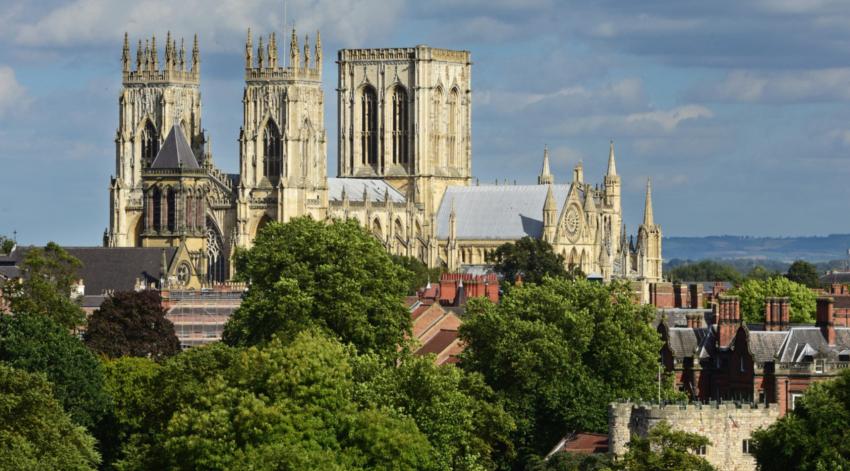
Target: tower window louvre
273 151
369 128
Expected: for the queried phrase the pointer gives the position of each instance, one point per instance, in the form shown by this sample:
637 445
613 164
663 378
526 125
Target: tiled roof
438 342
765 345
810 339
684 342
376 190
175 152
835 277
496 211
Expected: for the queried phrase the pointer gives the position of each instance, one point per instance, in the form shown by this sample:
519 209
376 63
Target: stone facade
727 426
404 165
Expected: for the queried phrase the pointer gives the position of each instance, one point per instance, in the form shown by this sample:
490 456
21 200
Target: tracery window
171 207
150 144
400 119
369 127
272 151
157 209
436 114
451 138
216 256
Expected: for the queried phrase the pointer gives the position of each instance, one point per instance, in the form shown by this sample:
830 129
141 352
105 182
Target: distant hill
785 249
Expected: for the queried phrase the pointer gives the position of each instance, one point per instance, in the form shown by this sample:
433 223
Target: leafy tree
35 433
35 343
421 273
333 276
754 292
533 258
704 270
557 353
132 324
574 462
454 409
275 407
666 449
814 435
6 245
804 273
47 278
760 273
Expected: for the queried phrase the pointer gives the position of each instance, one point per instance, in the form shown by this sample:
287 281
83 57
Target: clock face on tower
572 221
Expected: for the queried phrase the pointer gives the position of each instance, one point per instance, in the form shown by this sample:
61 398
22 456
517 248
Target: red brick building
773 362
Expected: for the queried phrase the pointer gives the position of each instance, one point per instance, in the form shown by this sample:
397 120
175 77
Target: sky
738 110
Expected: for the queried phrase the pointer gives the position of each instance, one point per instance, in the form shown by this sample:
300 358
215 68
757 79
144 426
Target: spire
125 53
648 220
545 177
578 173
169 57
196 57
261 53
147 64
182 56
273 51
139 56
294 55
550 204
307 51
612 164
453 222
249 51
318 51
154 55
589 203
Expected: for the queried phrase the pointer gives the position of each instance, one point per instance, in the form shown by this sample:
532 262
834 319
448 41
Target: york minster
404 165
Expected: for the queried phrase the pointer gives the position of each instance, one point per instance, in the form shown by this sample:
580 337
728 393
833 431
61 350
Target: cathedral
404 166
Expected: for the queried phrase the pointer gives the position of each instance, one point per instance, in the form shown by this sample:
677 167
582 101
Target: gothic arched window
272 151
171 205
157 209
400 126
451 138
369 127
150 144
436 139
216 255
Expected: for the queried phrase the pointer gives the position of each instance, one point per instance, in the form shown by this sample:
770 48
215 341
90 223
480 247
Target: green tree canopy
804 273
271 407
333 276
132 323
557 353
47 279
704 270
754 292
458 413
421 273
760 273
813 436
35 343
666 449
6 245
533 258
574 462
35 433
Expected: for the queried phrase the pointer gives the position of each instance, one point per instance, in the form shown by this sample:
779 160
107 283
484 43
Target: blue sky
739 110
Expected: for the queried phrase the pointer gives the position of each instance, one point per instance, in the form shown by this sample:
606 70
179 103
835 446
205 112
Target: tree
6 245
532 258
47 279
804 273
754 292
574 462
35 343
35 433
132 323
704 270
814 435
278 406
557 353
665 449
333 276
458 413
421 273
760 273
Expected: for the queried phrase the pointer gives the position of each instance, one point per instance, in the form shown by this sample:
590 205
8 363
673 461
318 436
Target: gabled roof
685 342
802 341
175 152
499 212
765 345
376 190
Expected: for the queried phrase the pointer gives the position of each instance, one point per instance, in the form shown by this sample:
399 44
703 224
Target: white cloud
668 120
786 86
221 24
12 94
655 122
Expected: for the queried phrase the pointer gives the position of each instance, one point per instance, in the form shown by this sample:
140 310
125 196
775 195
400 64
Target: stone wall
725 425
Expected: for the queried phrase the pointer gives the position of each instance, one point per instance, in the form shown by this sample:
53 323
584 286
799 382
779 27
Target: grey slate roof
498 212
684 342
375 190
801 340
765 344
175 152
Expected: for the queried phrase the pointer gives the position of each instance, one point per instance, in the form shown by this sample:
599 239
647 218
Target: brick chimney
825 319
770 307
728 319
694 320
784 315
